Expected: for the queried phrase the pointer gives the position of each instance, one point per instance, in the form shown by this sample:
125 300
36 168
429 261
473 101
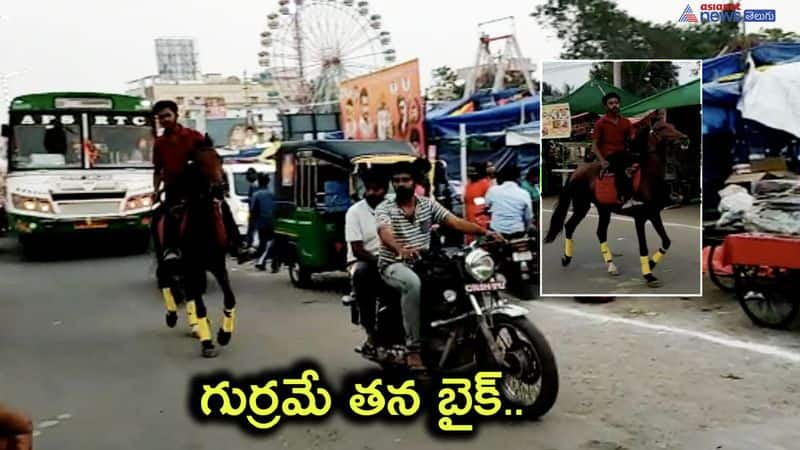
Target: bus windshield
121 146
46 147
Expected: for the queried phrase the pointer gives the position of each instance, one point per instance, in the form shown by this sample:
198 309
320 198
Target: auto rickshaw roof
344 152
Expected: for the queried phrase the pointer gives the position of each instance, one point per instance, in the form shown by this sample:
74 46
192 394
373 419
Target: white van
236 176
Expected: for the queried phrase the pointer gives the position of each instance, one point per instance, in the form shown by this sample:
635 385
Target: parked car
238 186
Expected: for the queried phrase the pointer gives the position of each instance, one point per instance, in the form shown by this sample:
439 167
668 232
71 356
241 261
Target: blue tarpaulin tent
492 120
765 54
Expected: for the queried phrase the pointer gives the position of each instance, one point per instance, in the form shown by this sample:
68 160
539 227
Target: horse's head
664 136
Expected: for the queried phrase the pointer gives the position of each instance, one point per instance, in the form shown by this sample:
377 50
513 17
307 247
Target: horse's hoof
565 260
653 282
172 319
223 337
209 351
612 270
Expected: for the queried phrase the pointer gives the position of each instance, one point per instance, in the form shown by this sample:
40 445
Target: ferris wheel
310 46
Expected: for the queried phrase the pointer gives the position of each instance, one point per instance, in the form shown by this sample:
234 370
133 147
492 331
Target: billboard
384 105
177 59
556 121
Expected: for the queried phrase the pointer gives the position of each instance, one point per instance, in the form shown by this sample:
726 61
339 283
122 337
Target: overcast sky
575 73
99 45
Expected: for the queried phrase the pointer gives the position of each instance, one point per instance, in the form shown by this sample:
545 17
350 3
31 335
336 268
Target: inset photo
621 178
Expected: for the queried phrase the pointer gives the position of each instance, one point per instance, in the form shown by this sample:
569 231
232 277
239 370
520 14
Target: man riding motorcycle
404 228
510 206
363 244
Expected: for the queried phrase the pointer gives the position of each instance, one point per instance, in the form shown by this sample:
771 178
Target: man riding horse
611 139
588 185
172 153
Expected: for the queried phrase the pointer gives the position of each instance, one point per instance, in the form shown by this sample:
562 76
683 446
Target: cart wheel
300 276
765 295
726 283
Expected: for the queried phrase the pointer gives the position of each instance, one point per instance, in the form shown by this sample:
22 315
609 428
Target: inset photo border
641 118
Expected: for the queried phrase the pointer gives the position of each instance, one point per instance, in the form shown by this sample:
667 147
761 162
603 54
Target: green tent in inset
684 95
588 97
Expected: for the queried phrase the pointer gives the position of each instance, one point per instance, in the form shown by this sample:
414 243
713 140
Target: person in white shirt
510 205
363 246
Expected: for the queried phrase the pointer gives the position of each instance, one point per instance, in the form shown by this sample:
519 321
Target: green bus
79 162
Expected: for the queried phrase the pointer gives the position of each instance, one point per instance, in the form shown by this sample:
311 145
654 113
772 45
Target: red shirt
474 212
172 149
610 136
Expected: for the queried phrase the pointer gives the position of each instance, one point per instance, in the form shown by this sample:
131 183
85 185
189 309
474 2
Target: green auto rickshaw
315 183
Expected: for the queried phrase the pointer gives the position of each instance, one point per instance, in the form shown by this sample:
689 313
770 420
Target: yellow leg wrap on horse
645 264
606 252
568 247
191 312
169 300
228 318
659 255
204 329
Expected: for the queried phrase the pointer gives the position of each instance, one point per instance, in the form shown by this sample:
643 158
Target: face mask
404 193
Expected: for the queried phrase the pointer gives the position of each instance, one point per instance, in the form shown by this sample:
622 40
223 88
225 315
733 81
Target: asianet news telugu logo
726 12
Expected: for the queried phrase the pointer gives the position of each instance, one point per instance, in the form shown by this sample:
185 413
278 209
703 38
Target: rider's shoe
414 360
631 203
171 255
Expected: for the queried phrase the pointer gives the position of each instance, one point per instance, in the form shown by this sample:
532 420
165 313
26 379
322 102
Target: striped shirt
412 233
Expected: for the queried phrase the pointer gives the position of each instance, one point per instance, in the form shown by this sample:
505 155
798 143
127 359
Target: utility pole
617 66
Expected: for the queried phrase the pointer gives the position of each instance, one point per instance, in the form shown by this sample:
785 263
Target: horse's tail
560 213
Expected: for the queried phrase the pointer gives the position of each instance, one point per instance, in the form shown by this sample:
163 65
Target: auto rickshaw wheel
299 275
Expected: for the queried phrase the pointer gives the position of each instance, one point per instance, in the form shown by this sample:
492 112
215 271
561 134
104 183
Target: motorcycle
467 325
518 263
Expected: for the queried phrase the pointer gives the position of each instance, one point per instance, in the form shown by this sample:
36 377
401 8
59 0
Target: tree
598 29
642 79
445 86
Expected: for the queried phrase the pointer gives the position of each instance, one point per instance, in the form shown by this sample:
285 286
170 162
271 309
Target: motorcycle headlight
479 265
32 204
139 202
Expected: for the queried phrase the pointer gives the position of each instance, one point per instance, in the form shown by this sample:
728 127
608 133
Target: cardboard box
762 169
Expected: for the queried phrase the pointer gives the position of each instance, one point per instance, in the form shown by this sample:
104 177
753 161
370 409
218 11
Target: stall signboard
384 105
556 122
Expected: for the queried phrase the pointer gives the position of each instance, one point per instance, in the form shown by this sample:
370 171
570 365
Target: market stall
752 216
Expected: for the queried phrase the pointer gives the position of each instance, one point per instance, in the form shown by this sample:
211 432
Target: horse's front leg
602 236
204 328
665 241
644 259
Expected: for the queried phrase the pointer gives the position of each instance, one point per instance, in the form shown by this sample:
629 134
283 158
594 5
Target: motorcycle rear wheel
532 363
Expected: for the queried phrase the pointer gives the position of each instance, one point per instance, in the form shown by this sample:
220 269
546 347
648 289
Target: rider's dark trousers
366 281
173 212
618 163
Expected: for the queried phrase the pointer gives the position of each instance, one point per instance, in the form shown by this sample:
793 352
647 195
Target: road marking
628 219
727 341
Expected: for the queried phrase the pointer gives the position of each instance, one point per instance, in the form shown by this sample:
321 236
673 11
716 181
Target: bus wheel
31 248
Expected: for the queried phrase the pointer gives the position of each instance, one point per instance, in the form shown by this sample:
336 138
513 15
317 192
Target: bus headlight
139 202
479 265
32 204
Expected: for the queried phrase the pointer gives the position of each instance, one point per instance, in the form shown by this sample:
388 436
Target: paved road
587 274
84 339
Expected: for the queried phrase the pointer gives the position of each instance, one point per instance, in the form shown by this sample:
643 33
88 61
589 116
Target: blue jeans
407 282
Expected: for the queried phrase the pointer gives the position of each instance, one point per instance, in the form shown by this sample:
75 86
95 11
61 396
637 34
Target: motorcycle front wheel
530 381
